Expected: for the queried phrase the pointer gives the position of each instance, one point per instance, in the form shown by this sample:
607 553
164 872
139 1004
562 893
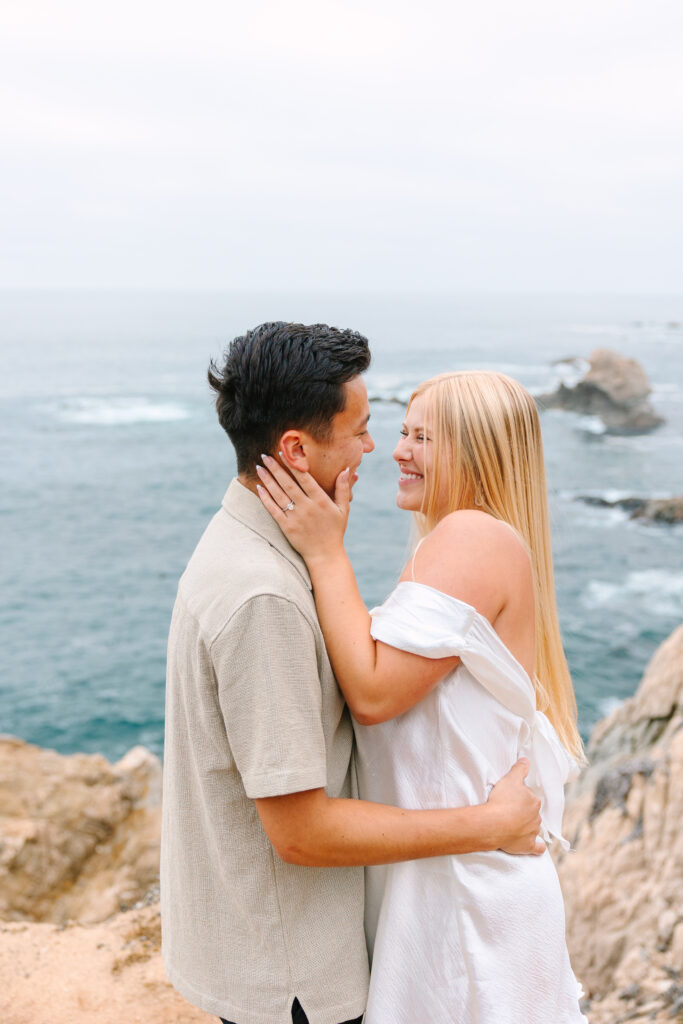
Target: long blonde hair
488 454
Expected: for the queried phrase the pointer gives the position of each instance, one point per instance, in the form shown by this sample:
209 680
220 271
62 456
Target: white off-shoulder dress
477 938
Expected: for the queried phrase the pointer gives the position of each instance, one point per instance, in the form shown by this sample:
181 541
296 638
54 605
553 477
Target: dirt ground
109 973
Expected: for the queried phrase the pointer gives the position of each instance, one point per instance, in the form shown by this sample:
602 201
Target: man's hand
519 809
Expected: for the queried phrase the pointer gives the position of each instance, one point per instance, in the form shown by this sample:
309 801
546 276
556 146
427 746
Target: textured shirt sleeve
266 667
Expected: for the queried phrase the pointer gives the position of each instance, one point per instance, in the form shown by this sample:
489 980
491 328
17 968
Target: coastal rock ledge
79 850
614 389
80 930
623 878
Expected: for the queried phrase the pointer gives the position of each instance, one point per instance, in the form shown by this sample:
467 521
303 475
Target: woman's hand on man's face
311 521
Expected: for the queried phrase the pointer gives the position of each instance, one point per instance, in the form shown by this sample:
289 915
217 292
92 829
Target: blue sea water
112 462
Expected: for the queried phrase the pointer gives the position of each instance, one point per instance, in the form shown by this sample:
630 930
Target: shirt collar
246 507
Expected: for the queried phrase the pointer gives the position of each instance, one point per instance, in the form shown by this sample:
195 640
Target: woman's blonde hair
488 454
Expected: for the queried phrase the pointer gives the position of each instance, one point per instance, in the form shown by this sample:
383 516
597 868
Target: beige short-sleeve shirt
253 710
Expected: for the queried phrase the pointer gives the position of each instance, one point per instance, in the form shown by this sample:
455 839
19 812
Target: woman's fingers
303 479
342 490
279 495
271 505
282 476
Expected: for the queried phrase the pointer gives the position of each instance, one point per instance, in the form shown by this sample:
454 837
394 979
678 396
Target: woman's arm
378 681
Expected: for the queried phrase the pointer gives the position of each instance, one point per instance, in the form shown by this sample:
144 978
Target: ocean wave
609 704
115 412
658 589
590 425
569 371
536 377
613 494
610 494
395 396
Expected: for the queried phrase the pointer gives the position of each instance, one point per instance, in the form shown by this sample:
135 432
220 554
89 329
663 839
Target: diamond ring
288 508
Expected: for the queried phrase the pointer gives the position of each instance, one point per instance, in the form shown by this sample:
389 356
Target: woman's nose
400 451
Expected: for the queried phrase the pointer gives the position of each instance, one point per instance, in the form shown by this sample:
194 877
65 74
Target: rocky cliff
623 878
79 843
79 837
79 871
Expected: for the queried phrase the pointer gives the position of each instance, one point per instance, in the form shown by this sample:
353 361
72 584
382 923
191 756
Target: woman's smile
407 477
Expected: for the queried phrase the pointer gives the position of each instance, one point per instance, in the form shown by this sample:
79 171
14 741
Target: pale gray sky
310 144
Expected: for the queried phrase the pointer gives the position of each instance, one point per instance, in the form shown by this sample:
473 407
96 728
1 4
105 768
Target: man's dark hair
280 376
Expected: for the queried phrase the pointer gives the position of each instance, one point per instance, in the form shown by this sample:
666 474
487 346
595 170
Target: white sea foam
657 590
591 425
605 518
114 412
390 388
608 494
609 704
569 371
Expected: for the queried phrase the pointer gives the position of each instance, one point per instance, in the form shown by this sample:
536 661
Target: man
258 777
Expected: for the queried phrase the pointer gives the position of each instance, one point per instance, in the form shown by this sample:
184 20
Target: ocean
112 463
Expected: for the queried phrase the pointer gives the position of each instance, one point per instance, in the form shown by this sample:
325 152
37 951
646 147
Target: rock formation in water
623 878
656 510
615 389
79 842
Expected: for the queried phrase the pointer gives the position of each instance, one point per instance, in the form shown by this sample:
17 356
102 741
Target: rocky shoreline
79 844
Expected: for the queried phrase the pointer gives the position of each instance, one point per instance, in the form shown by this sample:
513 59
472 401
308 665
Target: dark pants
299 1017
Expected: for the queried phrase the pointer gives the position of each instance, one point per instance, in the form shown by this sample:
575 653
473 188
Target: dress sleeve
269 691
417 619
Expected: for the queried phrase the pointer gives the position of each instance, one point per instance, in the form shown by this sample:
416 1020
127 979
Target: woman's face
414 455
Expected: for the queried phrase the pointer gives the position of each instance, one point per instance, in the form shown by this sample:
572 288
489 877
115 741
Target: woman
479 938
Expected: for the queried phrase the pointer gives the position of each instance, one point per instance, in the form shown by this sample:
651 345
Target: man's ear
294 447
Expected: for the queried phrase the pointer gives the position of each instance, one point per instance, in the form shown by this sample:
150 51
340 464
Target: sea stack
615 389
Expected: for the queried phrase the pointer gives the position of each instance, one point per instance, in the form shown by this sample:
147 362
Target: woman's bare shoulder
478 527
476 558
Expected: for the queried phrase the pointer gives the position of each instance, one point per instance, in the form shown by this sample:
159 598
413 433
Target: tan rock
623 380
79 837
623 880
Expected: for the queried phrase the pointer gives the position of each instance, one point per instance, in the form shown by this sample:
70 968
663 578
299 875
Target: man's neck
248 481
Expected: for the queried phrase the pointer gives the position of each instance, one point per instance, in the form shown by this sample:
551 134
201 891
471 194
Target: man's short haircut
282 376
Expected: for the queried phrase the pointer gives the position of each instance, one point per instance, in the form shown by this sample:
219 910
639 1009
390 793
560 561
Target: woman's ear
292 450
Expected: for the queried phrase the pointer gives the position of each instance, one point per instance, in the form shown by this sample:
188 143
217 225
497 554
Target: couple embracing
307 739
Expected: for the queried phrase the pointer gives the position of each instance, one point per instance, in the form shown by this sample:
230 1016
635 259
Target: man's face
348 442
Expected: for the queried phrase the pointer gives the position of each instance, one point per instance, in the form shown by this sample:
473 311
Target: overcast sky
305 144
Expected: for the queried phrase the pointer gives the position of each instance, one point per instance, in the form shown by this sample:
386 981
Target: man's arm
312 829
